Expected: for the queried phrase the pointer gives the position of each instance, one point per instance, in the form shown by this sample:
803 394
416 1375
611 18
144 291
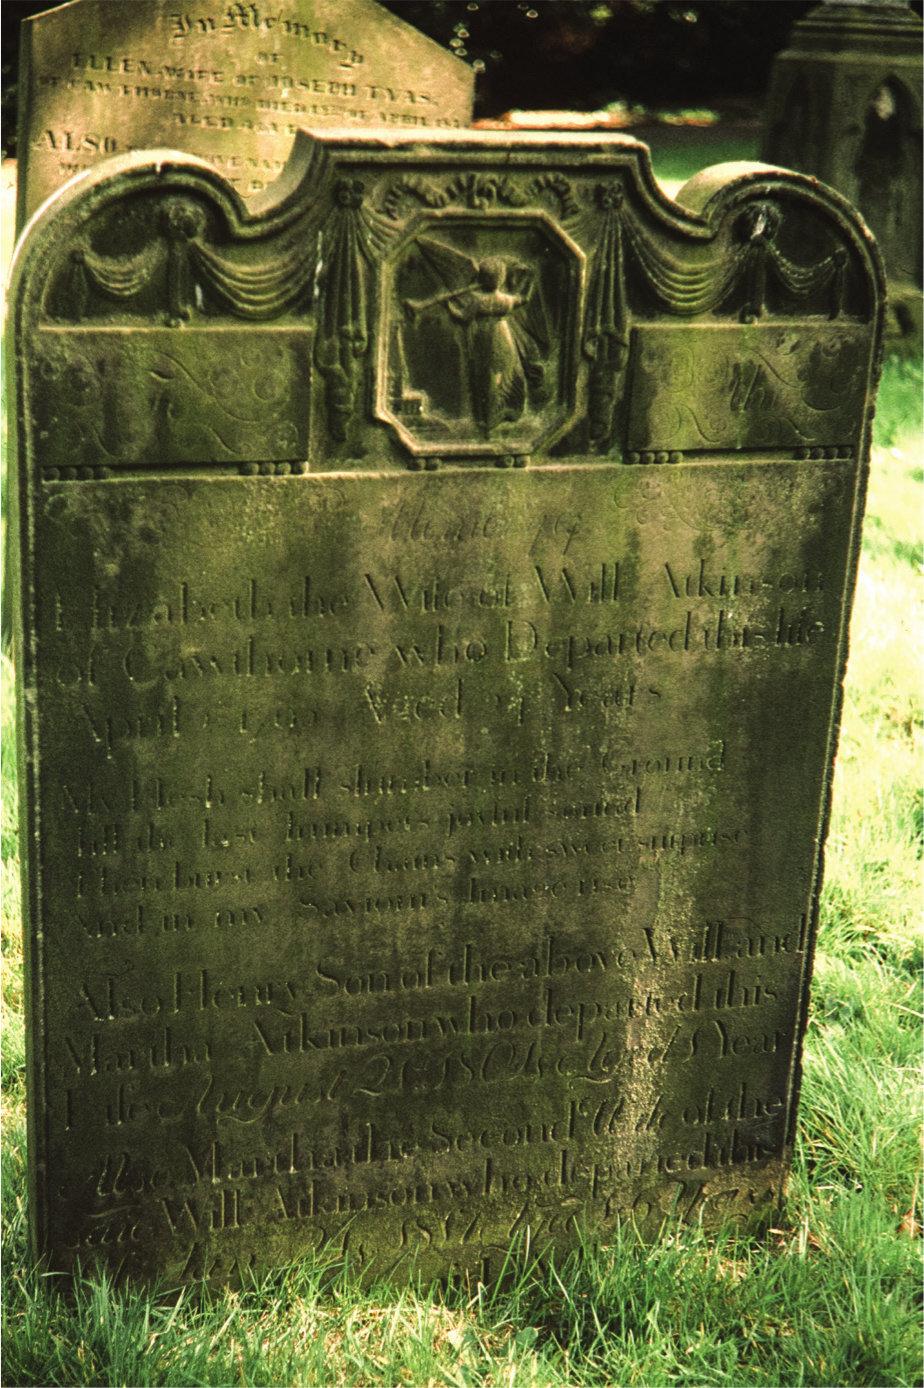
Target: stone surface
231 82
427 719
845 105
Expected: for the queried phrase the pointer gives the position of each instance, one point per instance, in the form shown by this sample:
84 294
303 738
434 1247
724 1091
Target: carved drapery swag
321 264
118 277
280 282
258 289
689 290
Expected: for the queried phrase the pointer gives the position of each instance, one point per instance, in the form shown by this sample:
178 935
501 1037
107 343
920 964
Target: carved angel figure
505 333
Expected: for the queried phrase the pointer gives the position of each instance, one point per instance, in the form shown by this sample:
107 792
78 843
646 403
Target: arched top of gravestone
231 82
372 240
399 179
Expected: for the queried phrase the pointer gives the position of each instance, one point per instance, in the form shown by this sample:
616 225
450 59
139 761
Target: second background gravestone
845 105
435 608
229 82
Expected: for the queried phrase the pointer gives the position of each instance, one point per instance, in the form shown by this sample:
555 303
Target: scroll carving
411 190
164 397
479 191
474 191
556 190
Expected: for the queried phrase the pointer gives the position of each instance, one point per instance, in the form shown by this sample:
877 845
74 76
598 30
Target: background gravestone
845 104
231 82
435 607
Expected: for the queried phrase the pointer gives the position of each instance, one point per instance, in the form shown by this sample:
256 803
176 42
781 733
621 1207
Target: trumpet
413 307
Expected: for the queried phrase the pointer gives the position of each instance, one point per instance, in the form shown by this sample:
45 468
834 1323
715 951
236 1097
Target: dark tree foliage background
582 54
578 54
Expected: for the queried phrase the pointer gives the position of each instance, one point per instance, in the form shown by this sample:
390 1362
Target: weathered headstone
436 594
230 82
845 105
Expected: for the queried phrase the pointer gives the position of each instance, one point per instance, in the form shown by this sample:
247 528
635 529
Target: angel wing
531 316
451 269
